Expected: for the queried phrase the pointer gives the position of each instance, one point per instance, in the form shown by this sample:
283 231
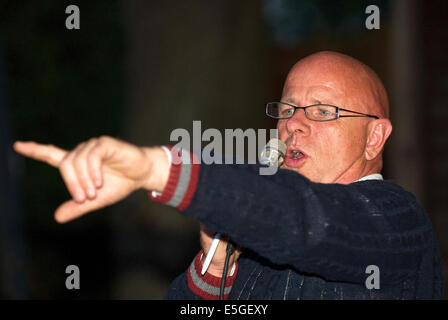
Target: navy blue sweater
306 240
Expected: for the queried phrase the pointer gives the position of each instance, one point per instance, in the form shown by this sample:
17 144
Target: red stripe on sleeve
209 279
173 179
192 184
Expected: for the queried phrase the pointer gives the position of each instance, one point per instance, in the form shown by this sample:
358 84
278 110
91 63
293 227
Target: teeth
296 154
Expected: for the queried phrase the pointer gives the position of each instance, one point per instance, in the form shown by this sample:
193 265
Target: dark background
137 70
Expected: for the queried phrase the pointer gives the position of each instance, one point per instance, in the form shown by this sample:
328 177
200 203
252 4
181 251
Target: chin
284 166
302 172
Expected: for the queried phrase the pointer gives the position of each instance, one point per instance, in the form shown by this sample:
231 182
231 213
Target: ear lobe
379 132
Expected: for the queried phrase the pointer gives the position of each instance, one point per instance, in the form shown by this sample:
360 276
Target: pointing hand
100 172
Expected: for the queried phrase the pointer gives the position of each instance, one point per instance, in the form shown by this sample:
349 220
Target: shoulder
385 191
399 205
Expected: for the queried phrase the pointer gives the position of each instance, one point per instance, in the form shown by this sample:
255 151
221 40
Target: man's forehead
300 93
315 72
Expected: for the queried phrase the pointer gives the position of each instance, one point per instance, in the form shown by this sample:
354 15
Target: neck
361 170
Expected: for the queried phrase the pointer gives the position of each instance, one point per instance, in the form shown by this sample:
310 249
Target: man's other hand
100 172
217 265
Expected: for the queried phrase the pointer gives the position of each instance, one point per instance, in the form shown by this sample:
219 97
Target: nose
298 123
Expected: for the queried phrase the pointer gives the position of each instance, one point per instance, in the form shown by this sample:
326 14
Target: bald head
358 82
344 149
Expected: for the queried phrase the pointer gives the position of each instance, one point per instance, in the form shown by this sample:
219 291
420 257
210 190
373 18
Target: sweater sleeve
330 230
180 188
191 285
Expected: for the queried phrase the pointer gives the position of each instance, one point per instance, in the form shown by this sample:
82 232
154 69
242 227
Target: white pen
211 253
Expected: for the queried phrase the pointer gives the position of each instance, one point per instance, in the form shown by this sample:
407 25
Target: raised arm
331 230
100 172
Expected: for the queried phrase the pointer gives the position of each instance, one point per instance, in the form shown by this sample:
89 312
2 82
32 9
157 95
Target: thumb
206 231
70 210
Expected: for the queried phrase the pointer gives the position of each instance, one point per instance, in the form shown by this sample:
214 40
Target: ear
378 132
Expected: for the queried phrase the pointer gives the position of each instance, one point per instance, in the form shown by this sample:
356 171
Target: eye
287 112
324 113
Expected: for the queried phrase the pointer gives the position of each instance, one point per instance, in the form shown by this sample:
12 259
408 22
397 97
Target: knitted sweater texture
306 240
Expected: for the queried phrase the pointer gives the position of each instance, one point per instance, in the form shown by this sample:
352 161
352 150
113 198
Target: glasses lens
321 112
279 110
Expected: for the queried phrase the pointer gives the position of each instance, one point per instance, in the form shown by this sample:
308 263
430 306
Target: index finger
46 153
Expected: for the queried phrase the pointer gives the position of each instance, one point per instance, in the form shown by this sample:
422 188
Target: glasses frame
359 114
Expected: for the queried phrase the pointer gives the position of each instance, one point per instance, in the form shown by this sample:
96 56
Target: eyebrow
313 101
291 101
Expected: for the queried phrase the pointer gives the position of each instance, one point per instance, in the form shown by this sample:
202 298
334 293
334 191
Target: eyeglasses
315 112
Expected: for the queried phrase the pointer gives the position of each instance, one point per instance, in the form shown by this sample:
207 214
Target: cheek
343 146
331 144
282 131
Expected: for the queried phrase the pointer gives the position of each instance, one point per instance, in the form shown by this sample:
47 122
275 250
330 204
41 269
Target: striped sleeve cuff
208 285
182 180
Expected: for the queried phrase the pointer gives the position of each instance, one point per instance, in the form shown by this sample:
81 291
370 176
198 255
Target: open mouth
296 154
294 157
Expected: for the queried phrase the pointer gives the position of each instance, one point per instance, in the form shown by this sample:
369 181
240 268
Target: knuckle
63 166
83 178
93 152
77 162
103 139
68 179
92 141
81 145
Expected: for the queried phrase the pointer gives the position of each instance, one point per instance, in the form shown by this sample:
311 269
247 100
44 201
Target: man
312 231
